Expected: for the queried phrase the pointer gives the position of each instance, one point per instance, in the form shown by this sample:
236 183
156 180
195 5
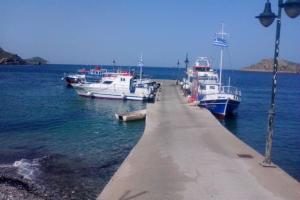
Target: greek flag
220 42
140 63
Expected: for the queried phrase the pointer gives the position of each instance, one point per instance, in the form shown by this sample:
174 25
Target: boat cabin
208 88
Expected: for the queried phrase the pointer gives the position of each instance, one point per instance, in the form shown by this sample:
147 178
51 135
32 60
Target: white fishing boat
114 86
131 116
201 71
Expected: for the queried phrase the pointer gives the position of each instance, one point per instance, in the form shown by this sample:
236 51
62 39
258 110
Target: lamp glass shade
266 21
267 17
292 8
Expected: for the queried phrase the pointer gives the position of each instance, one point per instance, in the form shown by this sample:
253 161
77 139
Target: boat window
203 78
107 82
212 87
202 87
202 69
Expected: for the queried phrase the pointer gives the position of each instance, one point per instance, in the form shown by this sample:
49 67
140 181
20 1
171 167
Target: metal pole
221 56
186 75
141 67
186 66
267 161
221 66
177 72
114 64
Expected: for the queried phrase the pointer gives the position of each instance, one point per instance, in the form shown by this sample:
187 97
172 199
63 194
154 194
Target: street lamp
186 66
266 18
114 64
291 8
178 63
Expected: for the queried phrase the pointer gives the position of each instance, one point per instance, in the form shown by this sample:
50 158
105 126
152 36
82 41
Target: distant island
266 65
36 61
7 58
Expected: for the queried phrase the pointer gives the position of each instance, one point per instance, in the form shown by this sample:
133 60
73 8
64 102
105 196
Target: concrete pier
185 153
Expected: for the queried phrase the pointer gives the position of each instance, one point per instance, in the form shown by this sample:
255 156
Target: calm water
72 145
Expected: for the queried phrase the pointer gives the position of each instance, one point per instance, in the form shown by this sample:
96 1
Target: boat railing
231 90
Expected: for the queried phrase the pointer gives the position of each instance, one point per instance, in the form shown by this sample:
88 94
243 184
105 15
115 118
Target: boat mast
141 63
221 66
222 34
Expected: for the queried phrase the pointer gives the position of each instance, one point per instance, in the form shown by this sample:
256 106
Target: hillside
266 65
36 61
7 58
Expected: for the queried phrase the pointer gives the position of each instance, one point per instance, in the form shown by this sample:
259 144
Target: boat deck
185 153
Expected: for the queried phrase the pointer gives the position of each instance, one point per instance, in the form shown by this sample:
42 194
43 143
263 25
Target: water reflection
231 123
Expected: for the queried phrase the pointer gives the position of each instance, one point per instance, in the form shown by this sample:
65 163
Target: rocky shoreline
15 187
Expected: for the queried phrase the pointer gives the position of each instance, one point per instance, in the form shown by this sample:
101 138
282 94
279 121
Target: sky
98 31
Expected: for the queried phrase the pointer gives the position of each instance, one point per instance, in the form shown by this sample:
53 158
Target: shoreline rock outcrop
15 186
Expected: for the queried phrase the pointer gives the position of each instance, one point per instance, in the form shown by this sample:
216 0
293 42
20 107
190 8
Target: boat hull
71 80
221 107
108 94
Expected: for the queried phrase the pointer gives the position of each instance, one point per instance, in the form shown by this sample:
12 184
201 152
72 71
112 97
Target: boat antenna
141 63
221 42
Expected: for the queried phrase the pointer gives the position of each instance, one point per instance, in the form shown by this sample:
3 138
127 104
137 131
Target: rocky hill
36 61
266 65
7 58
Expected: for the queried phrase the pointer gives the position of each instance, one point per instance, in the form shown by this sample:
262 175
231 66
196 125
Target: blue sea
72 145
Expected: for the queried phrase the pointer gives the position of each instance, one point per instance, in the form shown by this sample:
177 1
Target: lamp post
186 66
178 63
266 18
114 64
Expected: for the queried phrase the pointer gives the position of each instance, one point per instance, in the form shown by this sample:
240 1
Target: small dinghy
132 116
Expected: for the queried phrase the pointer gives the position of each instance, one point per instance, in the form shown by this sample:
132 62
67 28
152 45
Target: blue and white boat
220 100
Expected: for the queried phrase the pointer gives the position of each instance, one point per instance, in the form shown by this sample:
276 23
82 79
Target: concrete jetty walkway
185 153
